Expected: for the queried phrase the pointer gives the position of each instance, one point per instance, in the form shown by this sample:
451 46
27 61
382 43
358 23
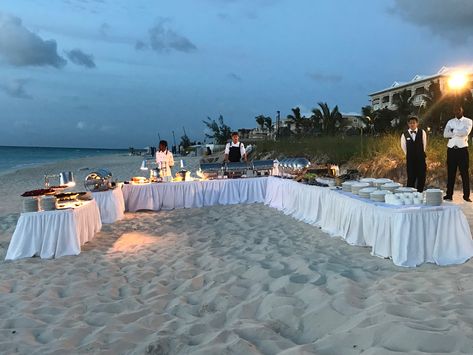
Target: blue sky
103 73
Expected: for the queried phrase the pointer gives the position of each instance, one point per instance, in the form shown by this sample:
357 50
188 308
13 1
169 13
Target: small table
52 234
111 205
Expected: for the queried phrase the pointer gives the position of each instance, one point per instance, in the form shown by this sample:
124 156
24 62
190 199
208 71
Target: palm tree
296 119
260 120
268 122
404 107
329 120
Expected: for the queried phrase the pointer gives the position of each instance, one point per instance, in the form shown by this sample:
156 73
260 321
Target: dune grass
379 156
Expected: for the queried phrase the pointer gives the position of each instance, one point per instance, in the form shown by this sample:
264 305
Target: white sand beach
242 279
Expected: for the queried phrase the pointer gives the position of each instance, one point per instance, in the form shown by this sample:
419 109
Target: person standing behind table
164 159
235 150
458 129
414 143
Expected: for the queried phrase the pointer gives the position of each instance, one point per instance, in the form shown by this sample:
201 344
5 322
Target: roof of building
444 71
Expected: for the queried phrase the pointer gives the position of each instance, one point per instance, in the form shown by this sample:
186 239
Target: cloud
140 45
447 19
16 88
164 39
21 47
234 76
81 125
104 28
78 57
325 78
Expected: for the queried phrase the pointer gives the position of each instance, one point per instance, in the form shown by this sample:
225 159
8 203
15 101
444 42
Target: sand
223 280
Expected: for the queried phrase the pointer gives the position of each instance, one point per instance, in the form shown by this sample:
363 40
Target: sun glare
457 81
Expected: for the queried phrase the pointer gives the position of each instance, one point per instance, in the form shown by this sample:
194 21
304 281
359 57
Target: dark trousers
458 158
416 169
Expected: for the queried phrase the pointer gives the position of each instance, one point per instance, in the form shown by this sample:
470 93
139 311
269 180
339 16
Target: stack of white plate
356 187
30 205
346 186
433 197
48 203
370 181
391 186
366 191
405 189
381 182
378 195
396 200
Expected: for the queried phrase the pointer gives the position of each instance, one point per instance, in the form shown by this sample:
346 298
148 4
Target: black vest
234 154
415 148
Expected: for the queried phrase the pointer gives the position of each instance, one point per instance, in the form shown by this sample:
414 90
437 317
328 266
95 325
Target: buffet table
52 234
111 205
409 235
193 194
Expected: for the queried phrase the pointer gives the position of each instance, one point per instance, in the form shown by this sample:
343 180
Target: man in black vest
235 150
413 143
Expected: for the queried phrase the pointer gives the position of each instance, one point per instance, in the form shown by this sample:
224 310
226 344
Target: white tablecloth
111 204
52 234
409 235
192 194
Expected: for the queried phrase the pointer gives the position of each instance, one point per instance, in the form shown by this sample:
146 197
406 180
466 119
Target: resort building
417 87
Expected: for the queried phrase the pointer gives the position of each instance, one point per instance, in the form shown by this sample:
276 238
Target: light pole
278 122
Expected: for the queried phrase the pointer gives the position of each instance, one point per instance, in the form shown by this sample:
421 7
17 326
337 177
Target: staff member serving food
164 159
235 150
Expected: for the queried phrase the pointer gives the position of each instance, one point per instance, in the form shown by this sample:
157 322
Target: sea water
18 157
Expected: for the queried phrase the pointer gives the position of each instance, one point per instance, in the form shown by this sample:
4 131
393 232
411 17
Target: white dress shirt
165 161
413 136
458 129
231 144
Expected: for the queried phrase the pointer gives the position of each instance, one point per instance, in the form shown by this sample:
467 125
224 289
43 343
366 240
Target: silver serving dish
211 170
98 180
263 167
236 167
291 167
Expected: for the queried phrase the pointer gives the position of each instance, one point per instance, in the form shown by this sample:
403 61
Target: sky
120 73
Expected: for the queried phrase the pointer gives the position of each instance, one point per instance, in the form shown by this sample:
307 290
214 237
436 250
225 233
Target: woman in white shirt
164 159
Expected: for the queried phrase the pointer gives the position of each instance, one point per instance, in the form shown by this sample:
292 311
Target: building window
385 99
420 91
396 98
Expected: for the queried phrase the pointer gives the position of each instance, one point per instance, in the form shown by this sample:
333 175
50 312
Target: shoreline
20 167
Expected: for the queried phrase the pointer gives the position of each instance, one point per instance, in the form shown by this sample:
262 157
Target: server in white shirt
235 150
164 159
414 143
457 130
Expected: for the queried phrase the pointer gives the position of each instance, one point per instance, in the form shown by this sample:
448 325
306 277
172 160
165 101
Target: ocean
18 157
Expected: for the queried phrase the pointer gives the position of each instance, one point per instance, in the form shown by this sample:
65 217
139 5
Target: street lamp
278 122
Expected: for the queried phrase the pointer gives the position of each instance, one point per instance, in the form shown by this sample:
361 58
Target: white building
417 87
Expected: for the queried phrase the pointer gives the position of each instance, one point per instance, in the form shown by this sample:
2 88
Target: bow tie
413 132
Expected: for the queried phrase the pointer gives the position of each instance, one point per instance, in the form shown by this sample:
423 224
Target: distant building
352 120
417 87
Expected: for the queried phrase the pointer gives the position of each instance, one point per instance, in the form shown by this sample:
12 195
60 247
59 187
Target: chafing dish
210 170
263 167
98 180
291 167
235 170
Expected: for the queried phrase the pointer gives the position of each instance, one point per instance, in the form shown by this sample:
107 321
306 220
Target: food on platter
39 192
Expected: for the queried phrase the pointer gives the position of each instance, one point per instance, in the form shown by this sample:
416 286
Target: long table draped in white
194 194
410 235
52 234
111 205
